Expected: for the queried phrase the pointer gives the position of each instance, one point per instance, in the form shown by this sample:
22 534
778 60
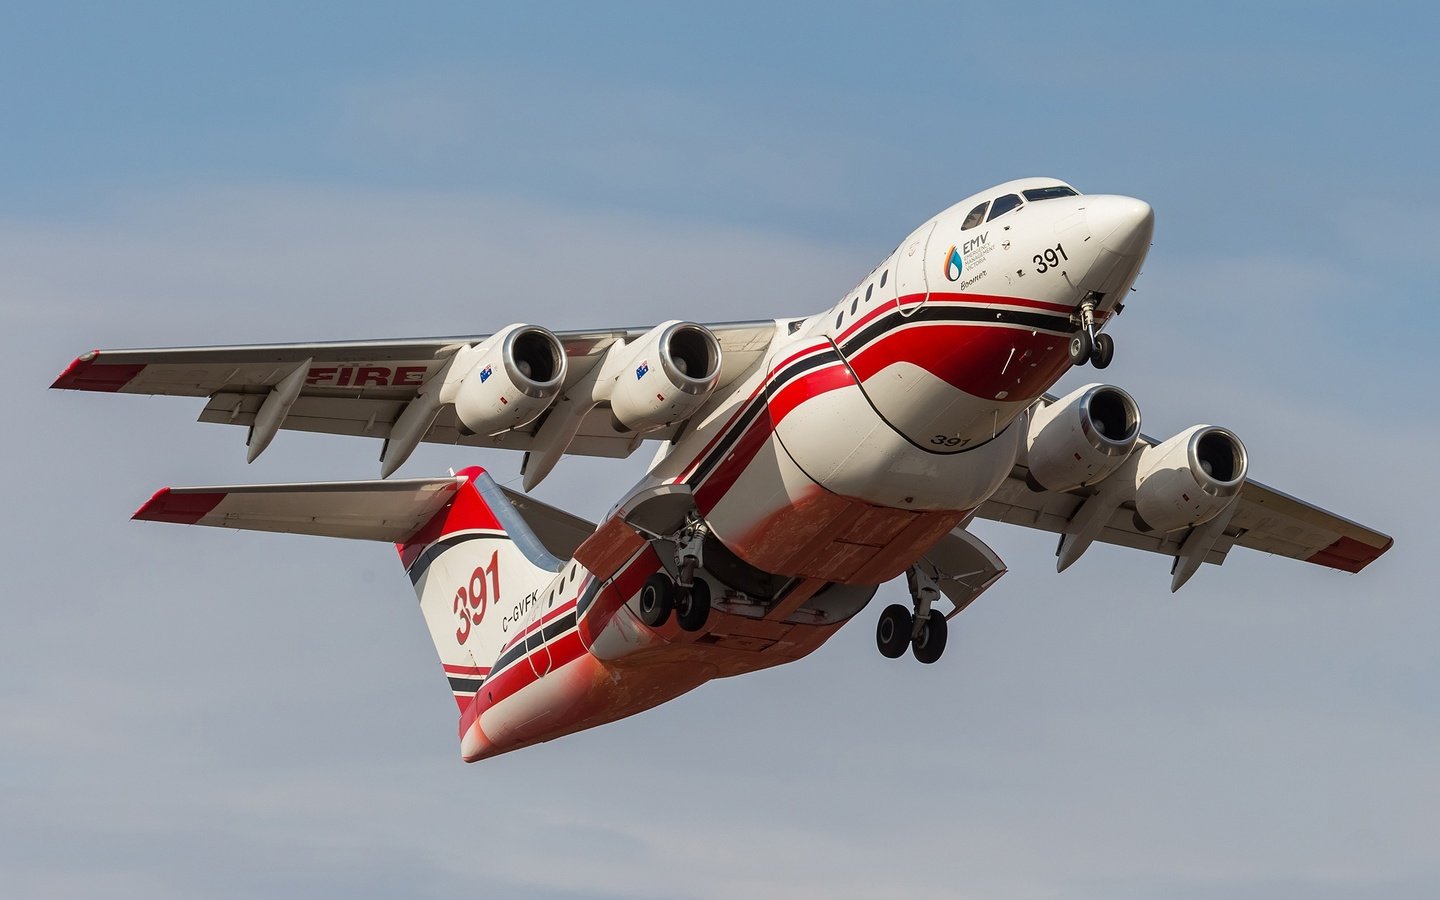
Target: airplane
801 463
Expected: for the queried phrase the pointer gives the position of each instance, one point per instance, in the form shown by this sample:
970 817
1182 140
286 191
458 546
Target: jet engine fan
515 375
1081 438
1189 479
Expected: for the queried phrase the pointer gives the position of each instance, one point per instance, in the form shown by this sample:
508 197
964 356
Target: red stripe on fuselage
811 384
549 616
980 359
740 409
466 670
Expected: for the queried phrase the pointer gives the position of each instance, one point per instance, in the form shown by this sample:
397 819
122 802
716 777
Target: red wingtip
1350 555
470 473
85 374
182 509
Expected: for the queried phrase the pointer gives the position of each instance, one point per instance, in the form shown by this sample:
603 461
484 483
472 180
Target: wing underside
360 388
1264 519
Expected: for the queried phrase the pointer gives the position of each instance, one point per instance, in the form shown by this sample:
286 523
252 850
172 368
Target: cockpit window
1003 206
1049 193
977 215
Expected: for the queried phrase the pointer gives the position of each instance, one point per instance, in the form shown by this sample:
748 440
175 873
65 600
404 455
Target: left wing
361 388
1261 518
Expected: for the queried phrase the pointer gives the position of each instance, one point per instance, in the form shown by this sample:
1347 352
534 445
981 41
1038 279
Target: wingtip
179 508
1350 555
85 374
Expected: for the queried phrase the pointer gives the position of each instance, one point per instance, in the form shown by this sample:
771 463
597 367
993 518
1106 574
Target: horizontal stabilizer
367 510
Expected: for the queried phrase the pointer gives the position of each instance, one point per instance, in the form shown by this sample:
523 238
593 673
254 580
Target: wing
1261 518
365 510
361 388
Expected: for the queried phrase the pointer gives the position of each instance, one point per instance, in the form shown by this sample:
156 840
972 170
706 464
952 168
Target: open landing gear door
962 567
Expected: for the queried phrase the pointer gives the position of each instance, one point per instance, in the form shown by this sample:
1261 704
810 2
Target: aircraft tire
692 608
657 598
892 633
1081 348
930 643
1104 351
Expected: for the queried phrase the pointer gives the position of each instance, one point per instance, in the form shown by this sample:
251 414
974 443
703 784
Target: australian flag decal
641 369
485 374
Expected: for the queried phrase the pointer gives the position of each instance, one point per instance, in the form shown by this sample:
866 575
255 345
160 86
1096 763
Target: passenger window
882 277
1004 205
977 215
853 304
1049 193
838 319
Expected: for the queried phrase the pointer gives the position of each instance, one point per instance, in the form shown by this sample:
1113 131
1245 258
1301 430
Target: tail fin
471 556
476 567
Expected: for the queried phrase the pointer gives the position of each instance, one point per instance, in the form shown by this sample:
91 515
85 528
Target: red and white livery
802 463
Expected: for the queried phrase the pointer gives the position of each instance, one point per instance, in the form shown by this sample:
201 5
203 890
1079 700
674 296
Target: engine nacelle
670 373
1081 438
1189 479
507 380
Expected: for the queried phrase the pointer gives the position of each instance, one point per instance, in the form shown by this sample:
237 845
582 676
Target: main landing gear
923 631
687 596
1087 345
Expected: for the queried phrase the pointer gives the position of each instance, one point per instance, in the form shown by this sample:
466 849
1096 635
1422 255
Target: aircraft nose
1123 225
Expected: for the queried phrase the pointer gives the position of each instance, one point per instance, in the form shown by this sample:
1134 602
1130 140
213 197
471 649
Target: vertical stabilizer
476 567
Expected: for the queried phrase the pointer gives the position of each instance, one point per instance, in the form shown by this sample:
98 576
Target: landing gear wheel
692 608
892 634
1081 348
657 597
1104 351
930 643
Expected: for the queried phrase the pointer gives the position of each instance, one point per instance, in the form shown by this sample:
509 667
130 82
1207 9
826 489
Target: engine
1081 438
671 372
507 380
1189 479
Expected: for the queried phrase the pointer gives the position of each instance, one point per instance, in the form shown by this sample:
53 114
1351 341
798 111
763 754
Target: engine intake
512 377
1081 438
670 374
1189 479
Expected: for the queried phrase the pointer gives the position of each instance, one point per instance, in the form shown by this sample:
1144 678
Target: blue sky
189 712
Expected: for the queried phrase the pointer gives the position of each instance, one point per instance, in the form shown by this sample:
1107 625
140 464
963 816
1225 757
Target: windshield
1049 193
1003 205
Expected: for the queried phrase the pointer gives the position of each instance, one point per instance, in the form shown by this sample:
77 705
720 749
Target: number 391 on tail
802 462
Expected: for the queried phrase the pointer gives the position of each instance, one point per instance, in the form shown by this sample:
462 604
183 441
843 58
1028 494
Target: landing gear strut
686 595
923 631
1087 345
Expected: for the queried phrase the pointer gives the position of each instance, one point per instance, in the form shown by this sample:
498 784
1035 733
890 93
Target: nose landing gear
1087 345
923 631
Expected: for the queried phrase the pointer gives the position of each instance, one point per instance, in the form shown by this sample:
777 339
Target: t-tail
477 566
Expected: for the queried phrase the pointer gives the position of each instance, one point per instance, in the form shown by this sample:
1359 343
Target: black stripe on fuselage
532 642
775 382
465 685
587 596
